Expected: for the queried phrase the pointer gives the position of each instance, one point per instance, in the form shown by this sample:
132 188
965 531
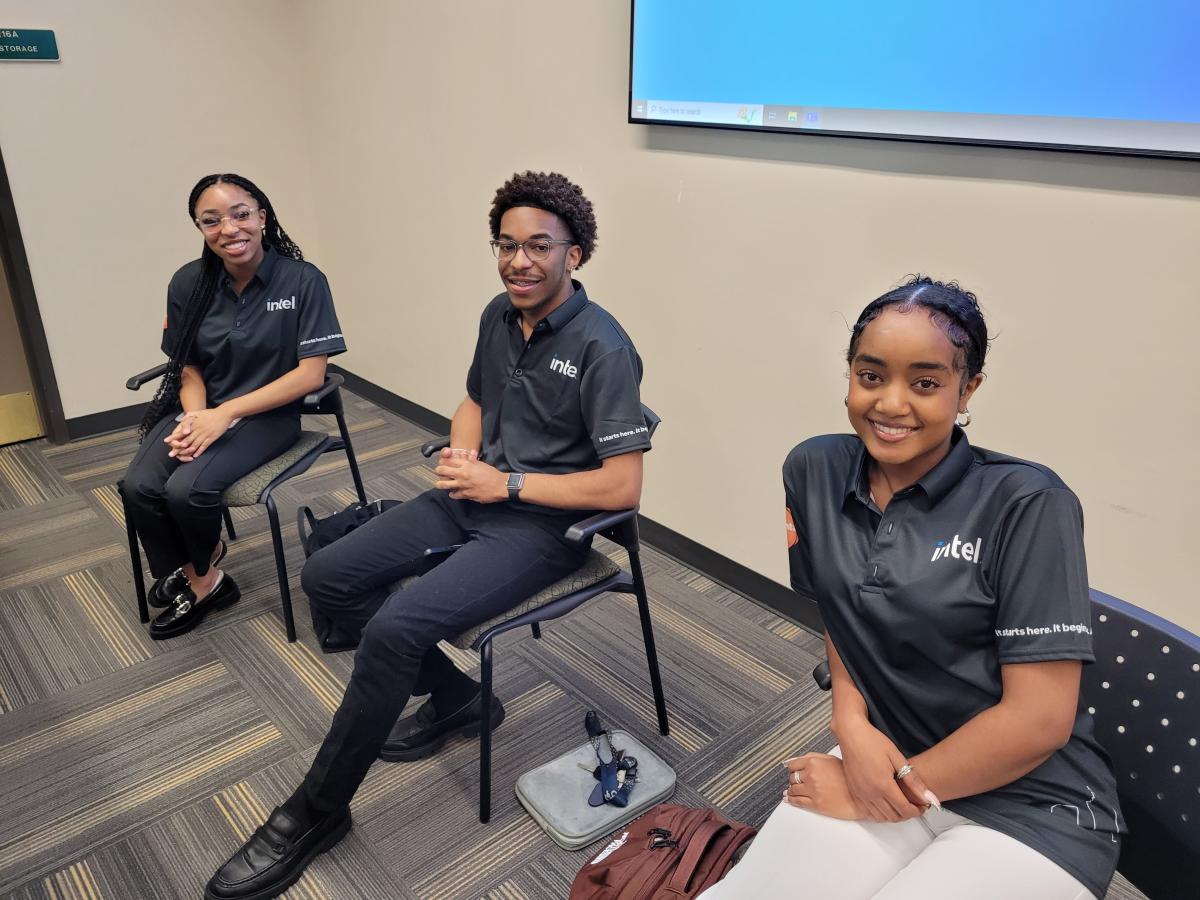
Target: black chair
256 487
1142 692
597 575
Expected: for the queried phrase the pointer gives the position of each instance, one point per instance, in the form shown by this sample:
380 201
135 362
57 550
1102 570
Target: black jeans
508 555
176 506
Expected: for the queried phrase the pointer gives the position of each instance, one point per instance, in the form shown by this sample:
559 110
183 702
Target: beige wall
103 147
733 260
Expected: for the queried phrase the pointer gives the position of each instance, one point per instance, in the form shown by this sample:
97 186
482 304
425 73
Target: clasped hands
467 477
861 785
196 432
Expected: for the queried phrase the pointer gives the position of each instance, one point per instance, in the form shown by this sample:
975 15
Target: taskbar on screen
698 112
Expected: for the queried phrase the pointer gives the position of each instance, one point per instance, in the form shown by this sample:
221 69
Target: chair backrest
1144 694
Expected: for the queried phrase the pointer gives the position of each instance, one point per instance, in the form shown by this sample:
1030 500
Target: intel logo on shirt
958 549
563 367
273 305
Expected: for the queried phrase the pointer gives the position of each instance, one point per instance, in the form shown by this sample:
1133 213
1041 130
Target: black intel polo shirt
978 565
565 399
284 315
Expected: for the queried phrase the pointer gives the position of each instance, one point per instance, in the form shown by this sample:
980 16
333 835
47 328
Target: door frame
29 317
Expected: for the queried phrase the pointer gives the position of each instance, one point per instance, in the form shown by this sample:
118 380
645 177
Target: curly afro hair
553 193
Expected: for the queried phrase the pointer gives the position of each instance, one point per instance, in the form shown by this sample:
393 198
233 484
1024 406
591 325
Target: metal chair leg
485 732
350 458
536 628
135 560
228 523
281 568
639 585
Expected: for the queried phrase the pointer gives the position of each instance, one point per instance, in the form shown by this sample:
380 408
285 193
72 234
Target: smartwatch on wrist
516 481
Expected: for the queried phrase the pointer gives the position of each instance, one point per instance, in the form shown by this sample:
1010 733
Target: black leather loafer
165 590
186 612
423 733
275 857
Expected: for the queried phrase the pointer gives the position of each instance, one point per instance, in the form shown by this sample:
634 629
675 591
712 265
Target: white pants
938 856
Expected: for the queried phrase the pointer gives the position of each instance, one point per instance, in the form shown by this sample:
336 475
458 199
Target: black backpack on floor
317 533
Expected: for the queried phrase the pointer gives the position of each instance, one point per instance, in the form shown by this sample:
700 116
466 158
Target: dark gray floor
130 768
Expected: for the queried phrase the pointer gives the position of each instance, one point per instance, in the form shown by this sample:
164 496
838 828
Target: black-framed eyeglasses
537 249
212 222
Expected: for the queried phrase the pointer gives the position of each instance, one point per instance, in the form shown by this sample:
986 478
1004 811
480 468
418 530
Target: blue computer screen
1062 72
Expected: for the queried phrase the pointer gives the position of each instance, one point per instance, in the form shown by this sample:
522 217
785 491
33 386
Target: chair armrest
821 675
142 377
333 381
431 447
593 525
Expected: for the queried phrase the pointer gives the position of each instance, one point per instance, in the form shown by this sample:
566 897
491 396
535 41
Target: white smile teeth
892 429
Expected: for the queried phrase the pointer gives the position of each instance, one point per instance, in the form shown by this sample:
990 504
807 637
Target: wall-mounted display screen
1103 75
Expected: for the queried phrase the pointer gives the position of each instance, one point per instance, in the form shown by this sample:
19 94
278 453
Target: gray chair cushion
247 490
596 567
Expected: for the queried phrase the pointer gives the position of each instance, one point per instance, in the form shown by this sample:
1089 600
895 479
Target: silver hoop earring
967 413
846 400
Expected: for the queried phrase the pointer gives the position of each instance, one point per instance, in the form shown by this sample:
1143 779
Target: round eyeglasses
211 222
537 249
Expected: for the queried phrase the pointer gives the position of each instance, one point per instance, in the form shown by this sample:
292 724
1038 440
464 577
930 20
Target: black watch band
516 481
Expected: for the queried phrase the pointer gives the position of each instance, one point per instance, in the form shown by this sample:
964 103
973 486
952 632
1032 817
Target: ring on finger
904 771
796 779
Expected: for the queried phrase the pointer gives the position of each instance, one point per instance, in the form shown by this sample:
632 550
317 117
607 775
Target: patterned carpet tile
175 856
94 462
127 748
130 768
447 784
603 670
27 479
741 772
24 528
51 540
752 660
714 667
299 687
67 631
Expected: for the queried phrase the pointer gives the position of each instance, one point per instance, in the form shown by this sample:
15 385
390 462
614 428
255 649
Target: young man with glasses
551 429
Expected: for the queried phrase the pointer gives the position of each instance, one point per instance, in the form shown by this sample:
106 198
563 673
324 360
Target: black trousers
176 506
508 555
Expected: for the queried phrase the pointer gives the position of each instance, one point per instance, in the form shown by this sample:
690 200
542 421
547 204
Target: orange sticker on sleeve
790 525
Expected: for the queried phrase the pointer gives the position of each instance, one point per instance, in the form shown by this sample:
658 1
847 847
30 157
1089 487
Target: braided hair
166 398
954 310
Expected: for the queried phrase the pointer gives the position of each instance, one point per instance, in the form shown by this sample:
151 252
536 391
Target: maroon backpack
667 852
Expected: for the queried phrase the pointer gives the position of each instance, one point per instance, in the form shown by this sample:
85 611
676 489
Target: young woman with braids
954 592
249 327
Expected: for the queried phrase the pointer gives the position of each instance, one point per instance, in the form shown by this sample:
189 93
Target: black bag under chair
317 533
